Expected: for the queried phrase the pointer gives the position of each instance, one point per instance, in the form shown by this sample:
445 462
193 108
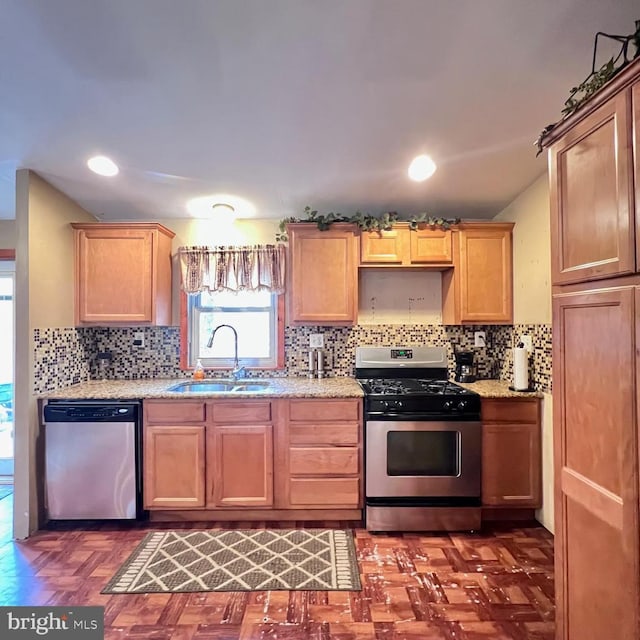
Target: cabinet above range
122 273
405 247
475 259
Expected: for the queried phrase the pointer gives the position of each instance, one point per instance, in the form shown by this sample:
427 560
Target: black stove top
412 386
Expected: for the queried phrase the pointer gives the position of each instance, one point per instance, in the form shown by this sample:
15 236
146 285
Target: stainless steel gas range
423 442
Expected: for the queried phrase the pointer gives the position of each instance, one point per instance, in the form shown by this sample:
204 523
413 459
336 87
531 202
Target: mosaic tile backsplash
61 357
67 356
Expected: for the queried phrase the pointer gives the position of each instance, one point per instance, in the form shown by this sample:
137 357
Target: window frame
185 329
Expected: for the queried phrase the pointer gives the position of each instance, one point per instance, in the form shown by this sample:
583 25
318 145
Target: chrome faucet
238 371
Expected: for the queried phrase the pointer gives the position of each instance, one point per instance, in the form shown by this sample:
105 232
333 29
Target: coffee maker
465 369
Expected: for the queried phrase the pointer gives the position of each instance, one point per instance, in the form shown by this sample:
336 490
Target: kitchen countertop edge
498 389
152 388
157 388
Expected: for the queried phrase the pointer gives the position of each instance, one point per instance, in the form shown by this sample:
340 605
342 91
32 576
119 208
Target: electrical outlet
479 339
138 339
316 341
526 341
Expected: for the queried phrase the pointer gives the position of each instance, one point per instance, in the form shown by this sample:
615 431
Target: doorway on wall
7 350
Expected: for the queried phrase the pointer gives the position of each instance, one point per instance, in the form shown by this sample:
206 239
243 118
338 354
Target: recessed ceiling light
103 166
220 204
421 168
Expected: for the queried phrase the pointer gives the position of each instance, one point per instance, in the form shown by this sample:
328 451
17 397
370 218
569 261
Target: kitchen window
257 317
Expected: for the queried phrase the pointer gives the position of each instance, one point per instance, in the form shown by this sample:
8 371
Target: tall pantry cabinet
594 171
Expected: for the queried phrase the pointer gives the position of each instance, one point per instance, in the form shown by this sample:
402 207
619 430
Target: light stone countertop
278 388
498 389
157 388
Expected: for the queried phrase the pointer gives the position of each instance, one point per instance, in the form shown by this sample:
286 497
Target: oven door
414 459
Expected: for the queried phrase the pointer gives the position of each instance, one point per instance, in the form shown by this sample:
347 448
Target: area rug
240 560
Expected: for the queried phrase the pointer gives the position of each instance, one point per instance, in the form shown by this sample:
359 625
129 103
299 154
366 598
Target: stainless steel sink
219 386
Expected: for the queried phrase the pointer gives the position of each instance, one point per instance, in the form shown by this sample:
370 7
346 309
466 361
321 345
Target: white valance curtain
249 268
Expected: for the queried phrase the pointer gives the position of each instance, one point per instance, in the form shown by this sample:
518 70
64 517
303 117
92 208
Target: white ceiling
289 102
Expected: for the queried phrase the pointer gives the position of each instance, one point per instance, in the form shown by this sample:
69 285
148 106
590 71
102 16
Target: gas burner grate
411 386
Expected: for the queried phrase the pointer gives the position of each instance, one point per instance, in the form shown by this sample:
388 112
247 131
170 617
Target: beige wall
7 234
531 253
392 296
44 299
51 271
532 300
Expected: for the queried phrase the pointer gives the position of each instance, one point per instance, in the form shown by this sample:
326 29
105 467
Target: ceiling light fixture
421 168
103 166
221 204
223 208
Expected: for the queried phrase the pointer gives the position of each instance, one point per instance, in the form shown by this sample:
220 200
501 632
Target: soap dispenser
198 372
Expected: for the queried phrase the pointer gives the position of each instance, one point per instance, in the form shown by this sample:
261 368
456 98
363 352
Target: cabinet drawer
311 461
325 492
241 411
510 410
324 433
325 410
173 412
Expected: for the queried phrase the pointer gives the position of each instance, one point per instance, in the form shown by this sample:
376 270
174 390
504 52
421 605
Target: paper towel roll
520 369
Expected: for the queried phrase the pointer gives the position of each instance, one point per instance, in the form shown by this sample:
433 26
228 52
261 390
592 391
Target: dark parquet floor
495 584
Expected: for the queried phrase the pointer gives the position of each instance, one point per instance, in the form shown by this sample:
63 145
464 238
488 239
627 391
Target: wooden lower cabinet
254 457
511 453
322 454
174 466
240 466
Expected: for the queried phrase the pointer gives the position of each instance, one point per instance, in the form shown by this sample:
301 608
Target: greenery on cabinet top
365 221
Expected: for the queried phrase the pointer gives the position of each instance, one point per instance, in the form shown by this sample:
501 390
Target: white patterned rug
240 560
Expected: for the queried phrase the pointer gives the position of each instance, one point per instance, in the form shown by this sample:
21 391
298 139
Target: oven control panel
401 354
425 407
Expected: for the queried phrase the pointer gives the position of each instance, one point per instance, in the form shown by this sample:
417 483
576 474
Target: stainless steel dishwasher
92 459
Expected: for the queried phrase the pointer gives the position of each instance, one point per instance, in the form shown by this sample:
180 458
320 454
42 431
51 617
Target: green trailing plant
364 221
597 78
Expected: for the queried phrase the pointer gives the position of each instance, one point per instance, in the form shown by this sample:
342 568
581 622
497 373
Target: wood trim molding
7 254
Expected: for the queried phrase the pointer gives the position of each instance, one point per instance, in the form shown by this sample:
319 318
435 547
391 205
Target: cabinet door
114 275
485 275
591 196
173 468
323 275
511 465
240 461
596 472
382 247
430 246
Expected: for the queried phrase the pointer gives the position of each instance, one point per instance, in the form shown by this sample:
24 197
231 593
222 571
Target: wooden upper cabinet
122 273
479 289
591 190
402 247
323 274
